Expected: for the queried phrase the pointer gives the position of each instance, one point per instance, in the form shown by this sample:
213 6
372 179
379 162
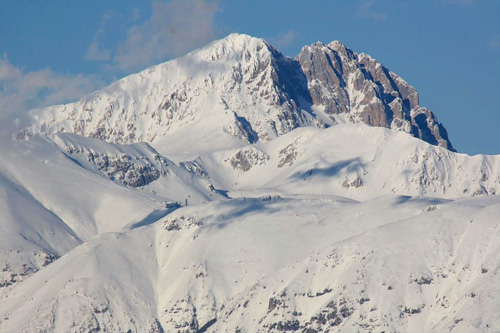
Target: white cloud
494 42
285 39
367 11
462 2
21 91
175 27
136 14
95 53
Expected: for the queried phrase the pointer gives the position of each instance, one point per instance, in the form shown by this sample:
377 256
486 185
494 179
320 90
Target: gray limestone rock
345 82
263 94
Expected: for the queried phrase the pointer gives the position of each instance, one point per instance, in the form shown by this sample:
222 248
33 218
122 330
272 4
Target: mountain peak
340 48
237 41
336 45
240 37
344 82
254 91
235 46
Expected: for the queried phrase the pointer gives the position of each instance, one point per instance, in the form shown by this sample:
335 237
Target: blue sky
449 50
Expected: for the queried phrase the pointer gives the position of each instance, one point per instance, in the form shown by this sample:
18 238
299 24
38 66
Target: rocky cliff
244 87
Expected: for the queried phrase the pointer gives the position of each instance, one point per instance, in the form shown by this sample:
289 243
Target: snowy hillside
277 264
238 190
250 92
62 190
350 160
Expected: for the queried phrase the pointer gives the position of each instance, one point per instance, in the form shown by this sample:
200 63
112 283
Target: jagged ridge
244 87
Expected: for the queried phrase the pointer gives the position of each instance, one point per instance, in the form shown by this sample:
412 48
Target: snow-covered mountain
238 190
251 91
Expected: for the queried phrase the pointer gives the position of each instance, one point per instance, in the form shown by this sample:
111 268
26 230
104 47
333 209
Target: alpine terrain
235 189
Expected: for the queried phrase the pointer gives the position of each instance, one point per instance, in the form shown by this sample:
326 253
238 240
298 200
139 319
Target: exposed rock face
244 87
345 82
122 168
247 158
16 269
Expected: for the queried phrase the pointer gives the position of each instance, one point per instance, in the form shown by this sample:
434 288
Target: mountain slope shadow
353 164
153 217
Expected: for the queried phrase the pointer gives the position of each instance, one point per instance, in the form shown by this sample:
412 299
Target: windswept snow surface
275 263
218 225
350 228
249 91
351 160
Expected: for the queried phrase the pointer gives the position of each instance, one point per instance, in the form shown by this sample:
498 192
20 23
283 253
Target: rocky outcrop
344 82
254 92
247 158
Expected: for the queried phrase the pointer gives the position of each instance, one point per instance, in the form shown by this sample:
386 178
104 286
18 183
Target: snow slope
432 272
393 263
350 160
96 287
234 82
241 88
59 191
228 191
31 235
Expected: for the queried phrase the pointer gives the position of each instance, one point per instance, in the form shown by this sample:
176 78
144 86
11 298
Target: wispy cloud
96 53
368 11
461 2
21 90
174 28
136 14
285 39
494 42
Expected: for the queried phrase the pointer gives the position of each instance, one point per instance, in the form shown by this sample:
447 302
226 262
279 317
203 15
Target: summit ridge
255 93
